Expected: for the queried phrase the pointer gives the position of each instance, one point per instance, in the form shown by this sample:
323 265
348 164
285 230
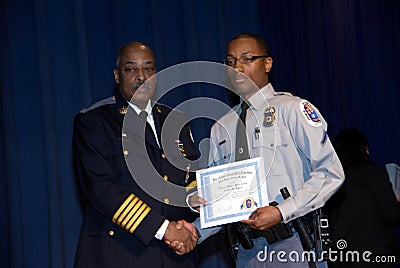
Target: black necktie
150 136
242 148
237 229
143 116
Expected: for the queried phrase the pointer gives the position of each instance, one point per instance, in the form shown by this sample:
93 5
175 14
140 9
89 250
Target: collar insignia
123 110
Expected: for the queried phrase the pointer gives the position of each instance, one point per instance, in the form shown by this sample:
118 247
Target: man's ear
268 64
116 76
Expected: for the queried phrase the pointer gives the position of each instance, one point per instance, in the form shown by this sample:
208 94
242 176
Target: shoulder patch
309 114
110 100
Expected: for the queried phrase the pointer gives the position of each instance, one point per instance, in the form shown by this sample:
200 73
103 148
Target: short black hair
262 45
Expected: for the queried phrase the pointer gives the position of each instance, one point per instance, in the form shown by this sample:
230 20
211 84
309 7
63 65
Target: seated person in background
364 211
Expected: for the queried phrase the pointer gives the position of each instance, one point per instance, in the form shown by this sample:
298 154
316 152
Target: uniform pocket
222 153
279 156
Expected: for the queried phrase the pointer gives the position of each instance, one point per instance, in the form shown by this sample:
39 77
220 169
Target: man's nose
238 66
140 76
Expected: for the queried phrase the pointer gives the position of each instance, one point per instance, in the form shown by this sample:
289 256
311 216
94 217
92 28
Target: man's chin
143 92
242 88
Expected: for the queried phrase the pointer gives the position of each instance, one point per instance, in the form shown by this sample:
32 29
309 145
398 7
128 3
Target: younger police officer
290 135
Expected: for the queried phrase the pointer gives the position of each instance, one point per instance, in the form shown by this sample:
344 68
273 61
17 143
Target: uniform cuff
187 201
288 209
161 231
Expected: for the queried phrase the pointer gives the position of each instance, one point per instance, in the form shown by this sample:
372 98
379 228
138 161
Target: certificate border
204 178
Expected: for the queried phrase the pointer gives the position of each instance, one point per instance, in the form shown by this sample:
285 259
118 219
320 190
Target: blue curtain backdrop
58 56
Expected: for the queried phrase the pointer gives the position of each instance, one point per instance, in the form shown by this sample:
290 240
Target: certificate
233 191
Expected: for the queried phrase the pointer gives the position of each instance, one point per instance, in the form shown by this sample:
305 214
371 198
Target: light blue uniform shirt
291 136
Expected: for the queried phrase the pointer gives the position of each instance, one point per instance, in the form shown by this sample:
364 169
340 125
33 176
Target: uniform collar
261 97
137 109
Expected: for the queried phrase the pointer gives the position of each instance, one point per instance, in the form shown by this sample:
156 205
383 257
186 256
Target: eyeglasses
231 61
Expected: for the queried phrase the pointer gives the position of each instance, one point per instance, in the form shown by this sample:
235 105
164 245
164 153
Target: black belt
279 232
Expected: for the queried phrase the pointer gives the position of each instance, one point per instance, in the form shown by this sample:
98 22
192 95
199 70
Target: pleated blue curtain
344 57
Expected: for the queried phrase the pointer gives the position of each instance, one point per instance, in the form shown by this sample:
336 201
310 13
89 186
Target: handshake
181 236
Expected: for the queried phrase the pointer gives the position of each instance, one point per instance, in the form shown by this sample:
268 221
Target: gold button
166 201
126 152
111 232
163 155
184 154
165 177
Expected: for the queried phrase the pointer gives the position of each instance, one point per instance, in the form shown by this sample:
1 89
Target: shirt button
166 201
111 232
165 177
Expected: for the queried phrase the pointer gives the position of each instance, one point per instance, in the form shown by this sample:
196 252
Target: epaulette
283 94
110 100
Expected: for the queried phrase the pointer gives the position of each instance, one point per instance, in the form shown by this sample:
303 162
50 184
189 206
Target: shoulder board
110 100
283 94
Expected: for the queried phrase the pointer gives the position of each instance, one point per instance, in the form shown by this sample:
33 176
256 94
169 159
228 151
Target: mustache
137 85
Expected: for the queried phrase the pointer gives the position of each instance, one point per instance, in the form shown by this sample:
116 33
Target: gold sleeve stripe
127 210
131 213
144 214
122 207
137 214
191 185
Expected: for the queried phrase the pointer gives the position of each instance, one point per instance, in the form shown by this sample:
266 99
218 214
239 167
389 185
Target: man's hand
189 226
264 218
195 201
181 240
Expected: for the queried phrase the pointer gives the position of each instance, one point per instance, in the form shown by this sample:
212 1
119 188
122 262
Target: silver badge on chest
269 117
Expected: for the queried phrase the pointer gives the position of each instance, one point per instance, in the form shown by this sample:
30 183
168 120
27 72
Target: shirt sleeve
309 132
160 232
